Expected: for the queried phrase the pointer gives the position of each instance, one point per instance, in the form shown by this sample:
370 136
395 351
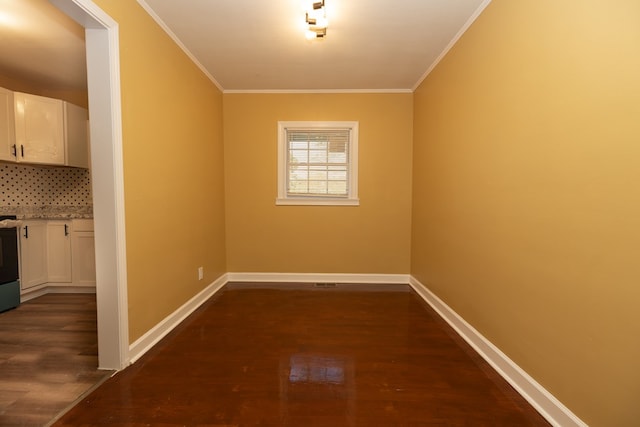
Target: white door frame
105 115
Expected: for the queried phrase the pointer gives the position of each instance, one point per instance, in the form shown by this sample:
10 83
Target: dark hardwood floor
298 355
48 357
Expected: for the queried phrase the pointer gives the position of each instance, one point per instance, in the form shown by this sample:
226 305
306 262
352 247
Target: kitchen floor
48 357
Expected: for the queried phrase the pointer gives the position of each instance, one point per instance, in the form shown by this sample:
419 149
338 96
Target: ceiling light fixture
316 21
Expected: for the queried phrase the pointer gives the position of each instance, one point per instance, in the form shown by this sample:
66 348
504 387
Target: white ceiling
370 44
250 45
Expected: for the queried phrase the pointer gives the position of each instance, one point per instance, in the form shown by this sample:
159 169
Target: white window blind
317 163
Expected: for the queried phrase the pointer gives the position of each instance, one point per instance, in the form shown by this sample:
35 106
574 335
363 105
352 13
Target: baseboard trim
143 344
544 402
319 277
56 288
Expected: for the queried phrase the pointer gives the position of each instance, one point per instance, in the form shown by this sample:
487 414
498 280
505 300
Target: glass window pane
298 174
318 175
298 156
298 145
318 187
338 147
318 145
318 156
337 158
337 187
337 175
298 187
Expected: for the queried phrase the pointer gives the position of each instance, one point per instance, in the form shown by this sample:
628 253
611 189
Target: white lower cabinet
83 253
33 254
57 252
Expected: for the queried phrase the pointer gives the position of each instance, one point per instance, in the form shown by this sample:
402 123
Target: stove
9 279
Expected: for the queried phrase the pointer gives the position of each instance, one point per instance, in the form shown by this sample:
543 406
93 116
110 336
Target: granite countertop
48 212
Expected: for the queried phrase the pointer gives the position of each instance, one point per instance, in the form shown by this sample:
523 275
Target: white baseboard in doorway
544 402
319 277
155 334
56 288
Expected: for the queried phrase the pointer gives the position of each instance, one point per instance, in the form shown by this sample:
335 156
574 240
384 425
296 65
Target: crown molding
316 91
452 43
177 41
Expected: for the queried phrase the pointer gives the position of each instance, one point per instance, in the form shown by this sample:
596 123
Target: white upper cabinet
39 129
7 126
76 132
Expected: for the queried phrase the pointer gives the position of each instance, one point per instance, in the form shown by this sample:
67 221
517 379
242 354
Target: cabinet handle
14 150
26 231
66 230
22 150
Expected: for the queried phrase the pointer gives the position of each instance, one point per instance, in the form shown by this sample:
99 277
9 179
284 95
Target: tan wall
77 97
370 238
526 201
173 161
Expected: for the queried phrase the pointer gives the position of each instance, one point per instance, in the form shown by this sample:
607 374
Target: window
317 163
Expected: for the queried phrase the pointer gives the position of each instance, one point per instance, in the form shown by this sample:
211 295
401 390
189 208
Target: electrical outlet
200 273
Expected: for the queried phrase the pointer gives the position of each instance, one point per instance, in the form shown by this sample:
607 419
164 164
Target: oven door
8 255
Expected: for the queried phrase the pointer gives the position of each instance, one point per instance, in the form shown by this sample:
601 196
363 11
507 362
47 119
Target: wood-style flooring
48 357
299 355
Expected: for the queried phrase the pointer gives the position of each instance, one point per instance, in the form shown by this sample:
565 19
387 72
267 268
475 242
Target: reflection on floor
299 355
48 357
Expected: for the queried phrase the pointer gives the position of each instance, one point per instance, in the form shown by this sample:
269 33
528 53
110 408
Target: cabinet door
7 126
59 251
76 132
33 254
83 257
39 129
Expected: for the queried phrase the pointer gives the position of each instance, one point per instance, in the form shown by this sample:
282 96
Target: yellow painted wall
74 96
173 162
20 83
371 238
526 194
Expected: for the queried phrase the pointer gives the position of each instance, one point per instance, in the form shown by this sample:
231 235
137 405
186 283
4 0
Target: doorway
103 81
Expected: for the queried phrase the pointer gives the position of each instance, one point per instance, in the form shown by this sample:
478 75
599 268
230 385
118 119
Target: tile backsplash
32 186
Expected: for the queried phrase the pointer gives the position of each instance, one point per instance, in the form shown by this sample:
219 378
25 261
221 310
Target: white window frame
351 199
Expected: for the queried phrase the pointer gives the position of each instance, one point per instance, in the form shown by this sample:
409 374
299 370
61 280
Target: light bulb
321 21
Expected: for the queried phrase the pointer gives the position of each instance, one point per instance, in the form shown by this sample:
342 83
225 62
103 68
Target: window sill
317 202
